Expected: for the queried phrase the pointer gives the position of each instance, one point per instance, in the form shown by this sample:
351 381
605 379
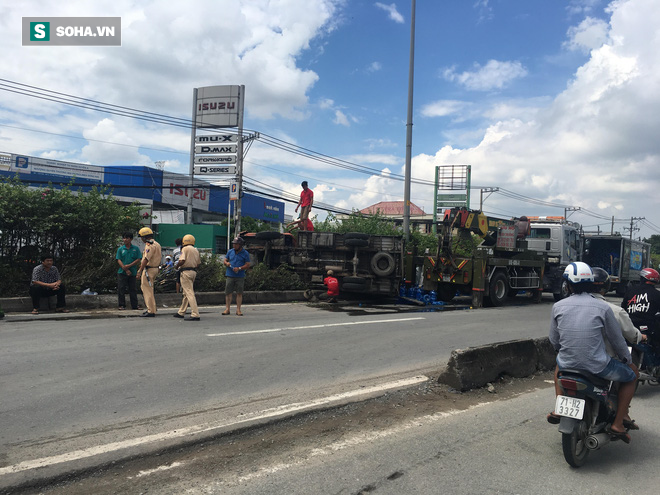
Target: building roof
391 208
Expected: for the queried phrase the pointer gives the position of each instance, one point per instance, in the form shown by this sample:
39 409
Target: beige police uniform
153 256
189 260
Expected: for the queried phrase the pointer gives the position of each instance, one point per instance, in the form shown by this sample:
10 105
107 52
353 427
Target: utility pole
409 124
632 219
571 209
489 190
193 133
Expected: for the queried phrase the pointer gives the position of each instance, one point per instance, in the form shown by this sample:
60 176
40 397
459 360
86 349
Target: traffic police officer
148 270
187 265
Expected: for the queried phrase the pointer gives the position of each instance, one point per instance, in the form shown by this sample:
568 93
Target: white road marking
196 429
156 470
271 330
357 440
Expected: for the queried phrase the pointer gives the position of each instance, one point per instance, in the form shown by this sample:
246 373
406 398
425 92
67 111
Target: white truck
564 242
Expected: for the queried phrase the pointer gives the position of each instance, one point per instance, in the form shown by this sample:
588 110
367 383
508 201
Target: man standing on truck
305 204
642 301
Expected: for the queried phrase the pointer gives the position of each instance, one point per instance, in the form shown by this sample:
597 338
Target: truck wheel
356 242
353 287
267 235
499 288
356 235
563 291
446 292
383 264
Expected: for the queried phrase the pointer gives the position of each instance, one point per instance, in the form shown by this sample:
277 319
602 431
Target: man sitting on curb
46 282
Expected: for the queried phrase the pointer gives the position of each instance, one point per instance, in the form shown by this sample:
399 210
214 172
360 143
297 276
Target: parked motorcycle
587 407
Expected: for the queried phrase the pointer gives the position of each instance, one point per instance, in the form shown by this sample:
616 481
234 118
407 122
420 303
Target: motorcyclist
576 332
601 285
642 301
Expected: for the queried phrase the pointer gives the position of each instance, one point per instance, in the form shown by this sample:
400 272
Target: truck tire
356 242
267 235
499 288
353 287
383 264
356 235
354 280
563 291
446 292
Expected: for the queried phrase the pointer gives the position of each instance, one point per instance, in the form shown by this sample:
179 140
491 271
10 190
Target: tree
82 230
654 241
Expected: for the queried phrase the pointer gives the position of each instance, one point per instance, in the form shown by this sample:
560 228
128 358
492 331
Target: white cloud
442 108
589 34
341 119
577 7
374 67
595 145
392 11
494 75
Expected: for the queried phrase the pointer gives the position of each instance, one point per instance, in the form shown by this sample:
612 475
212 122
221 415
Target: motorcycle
647 360
586 407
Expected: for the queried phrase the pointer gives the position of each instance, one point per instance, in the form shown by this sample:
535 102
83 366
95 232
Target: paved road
76 385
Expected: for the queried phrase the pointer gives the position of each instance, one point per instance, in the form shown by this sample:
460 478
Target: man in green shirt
128 257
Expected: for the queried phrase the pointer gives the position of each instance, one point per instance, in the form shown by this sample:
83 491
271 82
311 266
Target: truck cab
561 240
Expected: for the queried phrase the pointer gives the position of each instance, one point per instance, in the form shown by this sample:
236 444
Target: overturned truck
363 263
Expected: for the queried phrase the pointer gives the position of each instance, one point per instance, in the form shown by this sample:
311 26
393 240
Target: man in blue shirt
128 257
236 261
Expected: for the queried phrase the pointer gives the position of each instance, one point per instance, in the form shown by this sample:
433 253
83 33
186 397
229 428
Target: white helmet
578 273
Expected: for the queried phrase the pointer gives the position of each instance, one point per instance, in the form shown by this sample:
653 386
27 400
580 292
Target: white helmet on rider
579 273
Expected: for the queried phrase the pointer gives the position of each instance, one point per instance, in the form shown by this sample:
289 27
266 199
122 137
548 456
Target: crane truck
485 257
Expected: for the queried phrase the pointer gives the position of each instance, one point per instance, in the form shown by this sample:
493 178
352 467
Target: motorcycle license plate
569 406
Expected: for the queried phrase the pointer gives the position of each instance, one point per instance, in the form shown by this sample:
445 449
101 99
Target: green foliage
654 241
262 278
655 261
375 224
249 224
82 230
424 242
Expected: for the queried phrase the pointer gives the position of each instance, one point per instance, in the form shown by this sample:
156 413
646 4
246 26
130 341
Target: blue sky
557 101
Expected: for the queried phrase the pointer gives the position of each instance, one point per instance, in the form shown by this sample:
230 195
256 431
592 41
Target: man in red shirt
333 287
305 204
297 223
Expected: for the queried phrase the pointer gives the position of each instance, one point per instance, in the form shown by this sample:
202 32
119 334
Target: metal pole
239 160
409 124
189 211
228 224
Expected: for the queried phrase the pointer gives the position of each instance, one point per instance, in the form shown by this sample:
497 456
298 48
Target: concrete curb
476 366
77 302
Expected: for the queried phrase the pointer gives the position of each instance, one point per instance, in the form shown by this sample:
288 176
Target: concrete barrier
109 301
476 366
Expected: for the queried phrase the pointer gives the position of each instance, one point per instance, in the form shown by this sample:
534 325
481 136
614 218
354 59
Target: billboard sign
31 165
217 106
177 191
215 170
215 159
217 138
233 190
215 148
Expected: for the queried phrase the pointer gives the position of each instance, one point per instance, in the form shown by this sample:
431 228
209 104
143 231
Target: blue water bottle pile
425 296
